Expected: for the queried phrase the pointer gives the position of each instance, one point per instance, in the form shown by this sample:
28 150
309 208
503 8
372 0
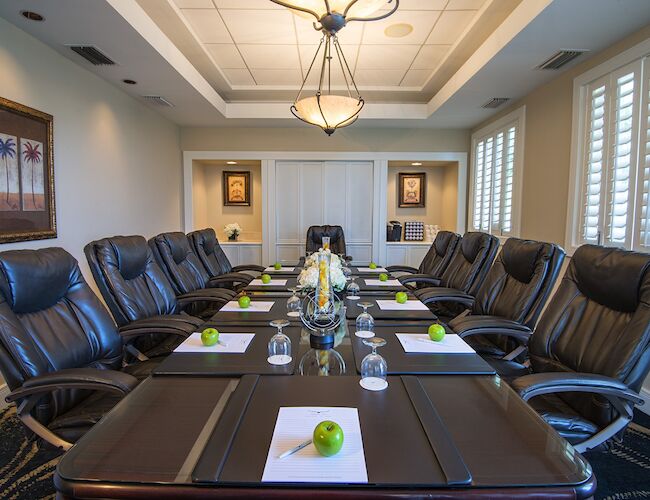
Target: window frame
580 123
517 118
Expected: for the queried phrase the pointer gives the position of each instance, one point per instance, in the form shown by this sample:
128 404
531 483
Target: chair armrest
248 267
439 294
230 278
76 378
490 325
402 269
420 278
537 384
204 295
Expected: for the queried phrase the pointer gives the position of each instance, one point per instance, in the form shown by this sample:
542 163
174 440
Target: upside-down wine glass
374 367
280 344
365 323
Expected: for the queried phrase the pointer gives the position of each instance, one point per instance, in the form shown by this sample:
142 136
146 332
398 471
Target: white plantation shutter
493 171
643 218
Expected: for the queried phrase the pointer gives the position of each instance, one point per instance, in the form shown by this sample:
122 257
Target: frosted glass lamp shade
329 112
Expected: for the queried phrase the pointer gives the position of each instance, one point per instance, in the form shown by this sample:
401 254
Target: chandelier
328 110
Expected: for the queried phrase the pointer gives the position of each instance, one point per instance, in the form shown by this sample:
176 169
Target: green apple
209 336
328 438
383 277
436 332
401 297
372 265
244 301
266 279
277 266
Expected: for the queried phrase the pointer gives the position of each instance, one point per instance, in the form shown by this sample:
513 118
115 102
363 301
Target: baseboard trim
645 394
4 392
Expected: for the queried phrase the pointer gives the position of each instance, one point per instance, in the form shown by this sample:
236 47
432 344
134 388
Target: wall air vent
158 100
495 102
93 55
560 59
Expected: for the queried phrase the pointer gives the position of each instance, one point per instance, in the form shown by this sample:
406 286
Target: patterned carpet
26 471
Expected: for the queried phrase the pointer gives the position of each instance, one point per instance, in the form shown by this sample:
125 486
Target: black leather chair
465 273
60 351
206 246
590 351
139 295
510 299
435 261
337 239
187 275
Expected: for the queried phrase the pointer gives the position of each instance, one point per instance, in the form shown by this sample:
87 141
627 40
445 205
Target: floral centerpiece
232 231
309 276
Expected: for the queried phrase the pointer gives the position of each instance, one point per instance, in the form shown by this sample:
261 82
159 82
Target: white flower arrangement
231 230
309 276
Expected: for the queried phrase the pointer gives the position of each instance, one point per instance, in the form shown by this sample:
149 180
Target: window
611 155
497 161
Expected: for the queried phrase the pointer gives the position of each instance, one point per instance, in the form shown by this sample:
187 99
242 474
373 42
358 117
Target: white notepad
235 343
368 270
257 282
257 306
420 342
282 269
393 305
383 283
295 425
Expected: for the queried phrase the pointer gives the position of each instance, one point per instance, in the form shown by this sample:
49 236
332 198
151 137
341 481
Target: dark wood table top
387 317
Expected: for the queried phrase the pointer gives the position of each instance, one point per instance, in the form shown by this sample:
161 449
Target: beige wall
441 195
209 210
354 138
547 147
117 163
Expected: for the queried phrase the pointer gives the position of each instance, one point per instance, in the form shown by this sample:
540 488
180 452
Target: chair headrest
520 257
34 280
132 255
178 245
474 243
610 276
443 240
317 232
207 239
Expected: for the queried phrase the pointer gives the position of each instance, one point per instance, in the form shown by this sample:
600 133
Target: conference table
202 426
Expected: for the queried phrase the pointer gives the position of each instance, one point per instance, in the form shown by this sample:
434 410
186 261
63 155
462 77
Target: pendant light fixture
327 110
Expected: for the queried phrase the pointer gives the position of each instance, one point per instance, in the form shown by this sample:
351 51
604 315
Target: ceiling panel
378 77
307 55
430 56
239 76
386 56
422 22
277 76
351 34
419 5
450 26
255 26
225 55
246 4
465 4
208 25
194 4
415 78
270 56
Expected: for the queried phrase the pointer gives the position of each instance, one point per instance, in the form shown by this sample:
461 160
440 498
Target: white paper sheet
281 270
383 283
295 425
235 343
393 305
257 282
368 270
420 342
256 306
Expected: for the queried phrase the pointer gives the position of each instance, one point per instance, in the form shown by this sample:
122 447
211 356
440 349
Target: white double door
308 193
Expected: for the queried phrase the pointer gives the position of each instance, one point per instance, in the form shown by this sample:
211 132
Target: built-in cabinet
406 253
244 252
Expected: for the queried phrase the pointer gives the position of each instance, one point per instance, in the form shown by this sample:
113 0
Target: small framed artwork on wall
236 189
412 190
27 209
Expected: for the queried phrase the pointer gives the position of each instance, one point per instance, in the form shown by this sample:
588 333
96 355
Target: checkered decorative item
413 231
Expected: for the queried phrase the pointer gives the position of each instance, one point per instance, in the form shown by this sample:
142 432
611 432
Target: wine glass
353 290
293 304
374 367
365 323
280 344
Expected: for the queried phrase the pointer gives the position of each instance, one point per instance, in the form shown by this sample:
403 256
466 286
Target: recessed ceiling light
399 30
32 16
231 162
129 81
416 164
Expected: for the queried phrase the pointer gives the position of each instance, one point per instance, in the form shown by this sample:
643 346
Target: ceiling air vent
561 58
158 100
93 55
495 102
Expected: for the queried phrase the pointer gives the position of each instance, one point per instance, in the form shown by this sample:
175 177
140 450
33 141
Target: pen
296 449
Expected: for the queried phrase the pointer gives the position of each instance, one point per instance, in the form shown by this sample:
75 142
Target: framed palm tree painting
27 209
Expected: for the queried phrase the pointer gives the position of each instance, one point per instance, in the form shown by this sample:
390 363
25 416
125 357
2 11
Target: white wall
117 163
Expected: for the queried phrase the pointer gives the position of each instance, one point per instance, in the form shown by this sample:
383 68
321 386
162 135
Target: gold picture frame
412 190
237 189
27 196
